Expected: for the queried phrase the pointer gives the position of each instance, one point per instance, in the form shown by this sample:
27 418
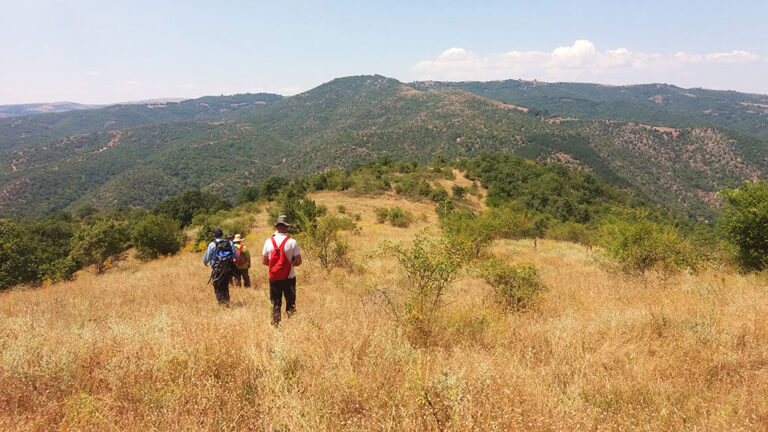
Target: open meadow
145 347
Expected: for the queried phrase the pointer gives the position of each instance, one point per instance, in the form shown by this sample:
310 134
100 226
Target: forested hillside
344 122
657 104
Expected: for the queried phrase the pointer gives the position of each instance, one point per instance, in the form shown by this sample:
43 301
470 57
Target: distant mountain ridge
20 131
221 144
656 104
41 108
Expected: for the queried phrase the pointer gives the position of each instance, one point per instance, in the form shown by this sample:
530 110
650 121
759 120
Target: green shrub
271 187
745 223
249 194
458 191
323 241
186 205
301 212
399 217
100 244
515 287
466 236
571 232
157 235
430 269
341 209
469 236
365 183
438 194
18 261
640 245
507 222
238 225
381 214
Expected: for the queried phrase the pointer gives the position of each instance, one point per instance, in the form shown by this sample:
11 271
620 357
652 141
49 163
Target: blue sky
110 51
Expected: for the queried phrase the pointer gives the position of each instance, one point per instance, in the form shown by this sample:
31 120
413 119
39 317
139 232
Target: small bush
469 236
157 235
430 269
466 236
381 214
341 209
438 194
323 240
640 245
399 217
238 225
571 232
515 287
458 191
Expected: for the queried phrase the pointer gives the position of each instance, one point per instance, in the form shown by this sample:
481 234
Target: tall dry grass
145 347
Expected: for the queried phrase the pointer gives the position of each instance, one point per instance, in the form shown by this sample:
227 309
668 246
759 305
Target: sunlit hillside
145 347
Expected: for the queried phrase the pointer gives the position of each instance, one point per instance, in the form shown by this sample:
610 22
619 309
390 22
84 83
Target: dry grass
145 347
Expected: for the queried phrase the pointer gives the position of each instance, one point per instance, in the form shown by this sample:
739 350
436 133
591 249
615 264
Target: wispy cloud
580 61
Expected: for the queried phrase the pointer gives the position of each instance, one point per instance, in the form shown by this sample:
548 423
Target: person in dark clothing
220 255
281 253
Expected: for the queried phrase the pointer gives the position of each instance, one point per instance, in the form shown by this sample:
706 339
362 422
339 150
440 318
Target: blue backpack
223 265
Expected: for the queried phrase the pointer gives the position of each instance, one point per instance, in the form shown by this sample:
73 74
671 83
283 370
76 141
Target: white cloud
583 61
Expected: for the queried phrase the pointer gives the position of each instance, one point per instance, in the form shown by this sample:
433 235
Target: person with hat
243 264
282 254
221 254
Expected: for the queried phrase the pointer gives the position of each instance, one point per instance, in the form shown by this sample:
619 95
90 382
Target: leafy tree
19 262
100 243
186 205
745 223
249 194
157 235
302 212
271 186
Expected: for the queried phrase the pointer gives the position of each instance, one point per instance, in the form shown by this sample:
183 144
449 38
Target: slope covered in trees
350 120
657 104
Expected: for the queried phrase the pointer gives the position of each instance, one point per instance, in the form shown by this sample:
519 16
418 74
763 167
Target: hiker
243 263
220 254
281 253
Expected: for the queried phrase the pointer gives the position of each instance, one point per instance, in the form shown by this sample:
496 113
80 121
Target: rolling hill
657 104
40 108
69 159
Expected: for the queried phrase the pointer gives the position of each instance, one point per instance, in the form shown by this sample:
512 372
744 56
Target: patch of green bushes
515 287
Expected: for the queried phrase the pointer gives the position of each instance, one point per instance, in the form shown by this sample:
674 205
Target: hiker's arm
297 260
207 256
265 260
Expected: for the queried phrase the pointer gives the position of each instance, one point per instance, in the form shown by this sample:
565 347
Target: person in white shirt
282 254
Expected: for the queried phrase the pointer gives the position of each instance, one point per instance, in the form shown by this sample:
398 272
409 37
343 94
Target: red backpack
279 266
241 261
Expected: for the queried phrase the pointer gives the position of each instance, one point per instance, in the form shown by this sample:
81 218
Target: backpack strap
282 245
274 244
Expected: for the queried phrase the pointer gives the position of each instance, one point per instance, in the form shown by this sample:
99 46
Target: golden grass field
146 348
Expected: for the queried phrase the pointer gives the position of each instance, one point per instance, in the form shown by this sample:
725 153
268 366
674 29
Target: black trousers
278 289
242 274
221 288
